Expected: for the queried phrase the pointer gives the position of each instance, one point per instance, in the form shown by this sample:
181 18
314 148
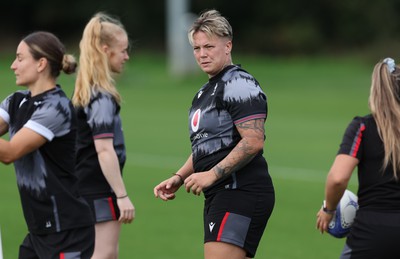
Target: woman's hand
323 220
199 181
127 210
166 189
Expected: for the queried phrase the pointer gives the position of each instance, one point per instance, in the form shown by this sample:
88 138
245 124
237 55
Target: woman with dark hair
42 128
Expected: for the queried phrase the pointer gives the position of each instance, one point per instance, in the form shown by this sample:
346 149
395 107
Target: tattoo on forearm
219 171
244 152
240 156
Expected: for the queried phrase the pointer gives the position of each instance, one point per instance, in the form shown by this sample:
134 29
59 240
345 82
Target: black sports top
100 119
46 180
231 97
378 190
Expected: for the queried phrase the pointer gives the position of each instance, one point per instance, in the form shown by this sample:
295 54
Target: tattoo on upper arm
257 125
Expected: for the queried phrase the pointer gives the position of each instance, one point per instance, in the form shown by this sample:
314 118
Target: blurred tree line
260 26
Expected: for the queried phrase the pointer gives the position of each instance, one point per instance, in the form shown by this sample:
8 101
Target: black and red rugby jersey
46 180
229 98
100 119
378 189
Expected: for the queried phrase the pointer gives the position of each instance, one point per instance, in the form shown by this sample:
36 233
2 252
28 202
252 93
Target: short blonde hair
211 23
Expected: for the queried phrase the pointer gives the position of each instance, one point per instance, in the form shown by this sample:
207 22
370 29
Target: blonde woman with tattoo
226 124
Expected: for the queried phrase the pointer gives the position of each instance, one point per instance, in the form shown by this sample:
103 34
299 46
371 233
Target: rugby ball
343 218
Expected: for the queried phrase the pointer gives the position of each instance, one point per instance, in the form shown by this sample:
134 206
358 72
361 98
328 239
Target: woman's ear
42 64
105 48
228 47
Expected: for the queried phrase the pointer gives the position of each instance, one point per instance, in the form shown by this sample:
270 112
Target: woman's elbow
9 157
7 160
337 180
257 146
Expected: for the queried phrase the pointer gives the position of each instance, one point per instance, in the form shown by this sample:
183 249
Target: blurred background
278 28
313 58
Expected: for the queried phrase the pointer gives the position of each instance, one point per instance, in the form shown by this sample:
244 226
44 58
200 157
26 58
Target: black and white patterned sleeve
244 98
100 116
52 118
4 109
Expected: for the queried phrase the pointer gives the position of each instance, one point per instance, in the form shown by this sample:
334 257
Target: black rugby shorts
104 207
70 244
374 234
237 217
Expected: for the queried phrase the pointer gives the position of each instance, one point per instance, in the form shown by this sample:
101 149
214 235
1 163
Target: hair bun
69 64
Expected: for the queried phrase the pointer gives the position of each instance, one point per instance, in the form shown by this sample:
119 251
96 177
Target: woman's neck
41 86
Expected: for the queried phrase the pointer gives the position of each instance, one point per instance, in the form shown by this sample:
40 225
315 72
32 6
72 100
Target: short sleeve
4 109
52 118
244 98
100 116
352 139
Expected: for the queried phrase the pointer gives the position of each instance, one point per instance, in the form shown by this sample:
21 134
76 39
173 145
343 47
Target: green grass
311 101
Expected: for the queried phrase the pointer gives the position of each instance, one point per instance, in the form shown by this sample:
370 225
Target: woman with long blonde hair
100 143
371 143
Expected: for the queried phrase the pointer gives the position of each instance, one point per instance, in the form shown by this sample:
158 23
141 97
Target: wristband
123 196
180 177
326 210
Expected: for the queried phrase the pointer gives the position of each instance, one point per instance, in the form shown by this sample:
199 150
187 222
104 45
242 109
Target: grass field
311 101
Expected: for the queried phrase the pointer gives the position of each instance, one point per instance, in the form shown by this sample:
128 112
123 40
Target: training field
311 101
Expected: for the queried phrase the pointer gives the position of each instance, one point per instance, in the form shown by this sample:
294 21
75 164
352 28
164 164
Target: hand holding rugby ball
343 218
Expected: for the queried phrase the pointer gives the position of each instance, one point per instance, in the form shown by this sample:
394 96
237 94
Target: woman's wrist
180 177
326 210
122 196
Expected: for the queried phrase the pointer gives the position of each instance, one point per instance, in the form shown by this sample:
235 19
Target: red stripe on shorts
221 228
111 204
62 256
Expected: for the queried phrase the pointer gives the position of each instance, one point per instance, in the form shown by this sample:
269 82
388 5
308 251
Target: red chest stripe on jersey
357 141
221 228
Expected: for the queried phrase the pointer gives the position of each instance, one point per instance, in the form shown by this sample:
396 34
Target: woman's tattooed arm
252 133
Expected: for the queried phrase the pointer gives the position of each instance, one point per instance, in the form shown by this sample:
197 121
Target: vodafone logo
196 120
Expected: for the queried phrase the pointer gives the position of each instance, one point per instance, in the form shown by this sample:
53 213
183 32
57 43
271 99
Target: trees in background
260 26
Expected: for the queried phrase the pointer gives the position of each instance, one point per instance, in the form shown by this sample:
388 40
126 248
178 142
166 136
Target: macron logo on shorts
211 226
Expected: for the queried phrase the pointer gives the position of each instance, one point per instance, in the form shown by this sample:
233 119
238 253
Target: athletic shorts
69 244
373 235
104 207
237 217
